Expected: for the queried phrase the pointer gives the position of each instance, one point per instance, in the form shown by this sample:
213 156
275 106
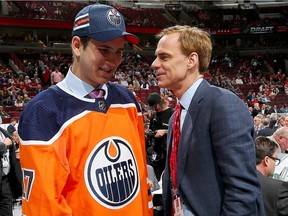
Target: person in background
152 177
273 120
3 113
274 192
10 174
280 137
257 125
12 126
19 102
279 123
206 140
26 99
256 109
273 109
46 76
38 89
56 76
15 140
284 108
266 130
36 80
8 101
82 140
158 128
286 121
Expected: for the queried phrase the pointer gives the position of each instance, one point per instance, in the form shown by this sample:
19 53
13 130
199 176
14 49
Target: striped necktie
96 93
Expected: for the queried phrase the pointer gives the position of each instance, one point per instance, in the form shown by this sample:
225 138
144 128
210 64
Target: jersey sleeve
44 178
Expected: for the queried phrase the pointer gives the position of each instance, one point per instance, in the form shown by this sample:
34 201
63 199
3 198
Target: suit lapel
187 129
169 141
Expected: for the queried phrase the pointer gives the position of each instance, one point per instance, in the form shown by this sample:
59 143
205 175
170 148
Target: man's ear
265 161
192 60
76 46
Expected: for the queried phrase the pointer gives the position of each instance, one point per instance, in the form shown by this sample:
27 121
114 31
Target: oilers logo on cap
111 173
114 17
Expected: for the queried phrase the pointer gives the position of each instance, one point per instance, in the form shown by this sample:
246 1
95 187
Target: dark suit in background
266 130
11 128
275 196
216 172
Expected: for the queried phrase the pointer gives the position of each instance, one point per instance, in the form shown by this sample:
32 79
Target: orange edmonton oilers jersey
83 157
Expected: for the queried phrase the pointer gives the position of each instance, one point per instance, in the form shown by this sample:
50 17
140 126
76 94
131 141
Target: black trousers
6 201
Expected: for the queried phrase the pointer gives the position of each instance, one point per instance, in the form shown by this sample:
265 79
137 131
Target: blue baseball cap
102 23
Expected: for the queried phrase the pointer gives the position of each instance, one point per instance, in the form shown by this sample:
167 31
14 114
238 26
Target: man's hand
150 183
7 141
160 133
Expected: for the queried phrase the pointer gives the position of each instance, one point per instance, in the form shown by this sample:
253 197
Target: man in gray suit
275 192
216 172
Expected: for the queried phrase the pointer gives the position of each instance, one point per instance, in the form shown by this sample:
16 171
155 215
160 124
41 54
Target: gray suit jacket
275 196
216 157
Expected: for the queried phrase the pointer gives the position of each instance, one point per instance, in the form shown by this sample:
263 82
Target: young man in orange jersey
84 153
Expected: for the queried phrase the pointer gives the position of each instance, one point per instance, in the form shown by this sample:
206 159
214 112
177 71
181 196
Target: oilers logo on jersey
111 173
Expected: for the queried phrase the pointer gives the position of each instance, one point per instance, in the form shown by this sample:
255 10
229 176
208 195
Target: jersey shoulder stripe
52 108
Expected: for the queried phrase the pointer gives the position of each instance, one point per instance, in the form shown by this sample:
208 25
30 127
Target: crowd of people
141 16
99 136
196 15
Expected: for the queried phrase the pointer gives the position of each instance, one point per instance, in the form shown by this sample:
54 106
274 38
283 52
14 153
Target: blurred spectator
28 82
19 101
158 127
123 82
284 108
274 192
286 121
280 136
273 120
279 123
136 83
46 76
13 95
239 81
273 109
11 175
266 130
56 76
12 126
7 101
3 113
38 89
257 125
16 139
36 79
145 85
256 109
26 99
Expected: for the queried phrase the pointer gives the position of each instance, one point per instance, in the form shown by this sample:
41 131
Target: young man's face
97 62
